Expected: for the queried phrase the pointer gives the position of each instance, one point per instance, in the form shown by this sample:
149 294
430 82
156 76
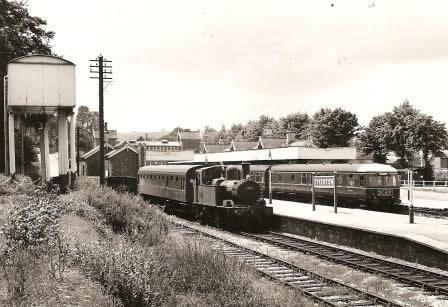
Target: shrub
16 185
127 213
167 274
31 234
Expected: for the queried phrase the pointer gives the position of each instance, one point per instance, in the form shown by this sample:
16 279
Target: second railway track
431 282
317 287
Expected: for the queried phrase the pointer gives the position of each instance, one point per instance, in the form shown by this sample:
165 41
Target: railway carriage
372 183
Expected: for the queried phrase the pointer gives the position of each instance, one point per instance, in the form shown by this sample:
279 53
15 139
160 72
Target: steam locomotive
213 194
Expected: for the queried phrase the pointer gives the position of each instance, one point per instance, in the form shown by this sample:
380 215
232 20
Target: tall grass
125 213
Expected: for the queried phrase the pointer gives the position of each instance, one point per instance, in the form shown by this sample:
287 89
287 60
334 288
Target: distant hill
126 136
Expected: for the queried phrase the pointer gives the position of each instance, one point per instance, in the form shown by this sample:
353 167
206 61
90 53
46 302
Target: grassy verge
97 247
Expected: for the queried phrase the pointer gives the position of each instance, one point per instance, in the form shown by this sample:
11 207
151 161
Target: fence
425 183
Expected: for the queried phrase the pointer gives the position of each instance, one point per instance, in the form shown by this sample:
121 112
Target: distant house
190 140
440 161
89 162
123 160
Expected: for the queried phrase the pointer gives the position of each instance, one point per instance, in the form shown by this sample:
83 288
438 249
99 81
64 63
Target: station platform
426 199
431 232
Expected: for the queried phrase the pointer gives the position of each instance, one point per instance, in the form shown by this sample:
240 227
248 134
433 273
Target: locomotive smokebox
246 169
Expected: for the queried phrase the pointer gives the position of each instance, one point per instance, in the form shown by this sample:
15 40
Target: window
374 181
182 183
292 177
177 178
351 180
362 180
171 178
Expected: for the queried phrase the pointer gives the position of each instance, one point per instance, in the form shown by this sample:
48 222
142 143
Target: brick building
89 164
123 160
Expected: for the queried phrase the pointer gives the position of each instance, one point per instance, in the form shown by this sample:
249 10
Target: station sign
323 181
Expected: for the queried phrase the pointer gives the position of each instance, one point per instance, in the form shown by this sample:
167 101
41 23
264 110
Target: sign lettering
323 181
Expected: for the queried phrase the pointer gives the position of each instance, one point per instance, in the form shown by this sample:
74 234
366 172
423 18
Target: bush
166 274
127 213
31 236
16 185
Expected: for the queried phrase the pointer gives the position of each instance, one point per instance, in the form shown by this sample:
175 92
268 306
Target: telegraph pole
100 69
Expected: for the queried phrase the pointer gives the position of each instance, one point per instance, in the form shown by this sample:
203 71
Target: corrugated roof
361 168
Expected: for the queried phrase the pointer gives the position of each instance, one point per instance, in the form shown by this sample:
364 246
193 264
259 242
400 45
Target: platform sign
324 182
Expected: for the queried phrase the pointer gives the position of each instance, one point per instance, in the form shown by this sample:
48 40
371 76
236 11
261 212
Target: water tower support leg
44 153
62 143
72 143
12 151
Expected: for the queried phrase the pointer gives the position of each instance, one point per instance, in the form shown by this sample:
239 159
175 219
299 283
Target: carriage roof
345 168
166 169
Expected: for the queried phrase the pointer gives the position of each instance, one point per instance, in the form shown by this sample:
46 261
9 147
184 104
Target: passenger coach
372 183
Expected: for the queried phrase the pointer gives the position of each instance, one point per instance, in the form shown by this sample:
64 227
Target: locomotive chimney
246 169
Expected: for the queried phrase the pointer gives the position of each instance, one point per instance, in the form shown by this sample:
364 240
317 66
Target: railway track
432 283
441 213
318 288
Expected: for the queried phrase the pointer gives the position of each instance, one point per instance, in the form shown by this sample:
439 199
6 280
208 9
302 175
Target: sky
207 62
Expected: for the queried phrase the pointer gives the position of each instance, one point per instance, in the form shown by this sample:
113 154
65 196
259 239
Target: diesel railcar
371 183
208 193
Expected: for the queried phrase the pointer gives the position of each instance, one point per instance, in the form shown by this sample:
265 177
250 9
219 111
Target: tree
373 139
405 131
88 122
428 136
297 122
333 127
20 34
256 128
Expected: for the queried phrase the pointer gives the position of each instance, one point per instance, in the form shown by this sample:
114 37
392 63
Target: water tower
44 85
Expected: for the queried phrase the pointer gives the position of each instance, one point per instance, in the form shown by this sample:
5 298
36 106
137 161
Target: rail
320 289
425 183
432 283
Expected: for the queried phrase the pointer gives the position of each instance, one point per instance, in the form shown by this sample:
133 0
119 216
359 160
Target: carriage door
196 184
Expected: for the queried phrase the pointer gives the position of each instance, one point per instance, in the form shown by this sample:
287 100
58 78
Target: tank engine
213 193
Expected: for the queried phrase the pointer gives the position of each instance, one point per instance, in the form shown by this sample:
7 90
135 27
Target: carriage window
374 181
177 178
344 180
292 177
362 180
182 183
171 178
389 181
350 180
